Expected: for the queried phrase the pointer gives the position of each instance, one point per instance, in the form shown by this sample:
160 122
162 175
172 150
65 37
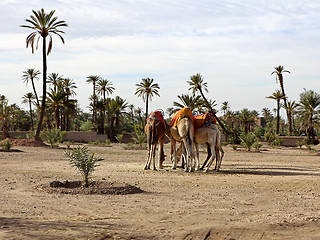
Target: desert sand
271 194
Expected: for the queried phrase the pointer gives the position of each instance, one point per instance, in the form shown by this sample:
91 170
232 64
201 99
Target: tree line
57 107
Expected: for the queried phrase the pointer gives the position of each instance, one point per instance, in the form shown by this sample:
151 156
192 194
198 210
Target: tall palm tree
146 88
28 98
43 25
104 87
197 84
93 79
279 70
309 111
31 74
277 95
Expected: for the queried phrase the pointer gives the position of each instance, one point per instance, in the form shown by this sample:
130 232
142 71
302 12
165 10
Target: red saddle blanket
184 112
200 120
156 115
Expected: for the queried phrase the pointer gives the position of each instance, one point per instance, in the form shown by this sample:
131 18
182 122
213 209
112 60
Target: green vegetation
84 161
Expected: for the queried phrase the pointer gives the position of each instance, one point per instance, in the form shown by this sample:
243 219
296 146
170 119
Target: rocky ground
271 194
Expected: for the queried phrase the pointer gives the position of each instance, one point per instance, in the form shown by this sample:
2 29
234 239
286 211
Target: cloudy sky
234 44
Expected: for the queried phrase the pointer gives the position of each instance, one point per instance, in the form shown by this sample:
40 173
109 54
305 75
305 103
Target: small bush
277 142
247 140
108 142
6 145
257 145
84 161
52 136
139 136
300 143
30 135
119 137
234 147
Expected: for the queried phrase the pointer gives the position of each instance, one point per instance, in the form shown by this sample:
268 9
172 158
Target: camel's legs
161 153
147 165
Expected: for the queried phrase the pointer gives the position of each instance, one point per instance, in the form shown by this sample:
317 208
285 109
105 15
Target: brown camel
155 130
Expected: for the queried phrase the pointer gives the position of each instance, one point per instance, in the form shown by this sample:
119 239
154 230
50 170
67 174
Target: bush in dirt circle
84 161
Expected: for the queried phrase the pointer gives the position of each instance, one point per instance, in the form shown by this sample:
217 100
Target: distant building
261 122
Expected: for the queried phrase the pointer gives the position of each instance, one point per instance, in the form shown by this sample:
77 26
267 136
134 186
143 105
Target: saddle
182 113
203 120
156 115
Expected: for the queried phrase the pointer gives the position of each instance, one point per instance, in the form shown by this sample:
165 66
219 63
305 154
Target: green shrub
108 142
234 147
139 136
247 140
300 143
52 136
119 137
86 126
257 145
30 135
6 145
277 141
84 161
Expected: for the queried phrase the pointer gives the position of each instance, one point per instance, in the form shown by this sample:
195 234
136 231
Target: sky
233 44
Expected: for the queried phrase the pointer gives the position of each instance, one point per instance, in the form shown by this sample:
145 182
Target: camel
155 130
182 130
210 135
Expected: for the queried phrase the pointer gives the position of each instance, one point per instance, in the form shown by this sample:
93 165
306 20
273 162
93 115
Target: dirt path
273 194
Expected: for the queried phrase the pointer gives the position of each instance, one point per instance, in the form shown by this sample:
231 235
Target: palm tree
266 113
279 71
309 111
247 118
104 87
146 88
292 108
43 25
28 98
55 102
197 84
225 107
277 95
5 113
54 78
93 79
192 102
31 74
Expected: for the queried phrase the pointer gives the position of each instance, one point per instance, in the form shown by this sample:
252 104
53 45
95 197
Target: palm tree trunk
285 103
278 116
147 105
31 115
44 89
35 92
211 111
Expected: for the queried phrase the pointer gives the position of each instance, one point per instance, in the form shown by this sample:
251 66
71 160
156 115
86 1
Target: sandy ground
273 194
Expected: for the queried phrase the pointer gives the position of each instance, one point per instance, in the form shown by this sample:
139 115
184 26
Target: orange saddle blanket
184 112
200 120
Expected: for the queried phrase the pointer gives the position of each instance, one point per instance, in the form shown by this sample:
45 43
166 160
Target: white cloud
233 44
